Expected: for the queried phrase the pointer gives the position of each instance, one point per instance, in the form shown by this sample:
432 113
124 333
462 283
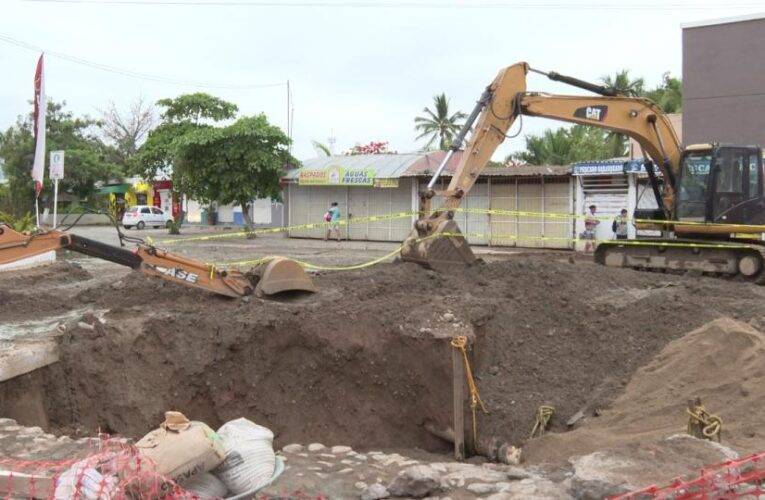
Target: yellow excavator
273 277
710 196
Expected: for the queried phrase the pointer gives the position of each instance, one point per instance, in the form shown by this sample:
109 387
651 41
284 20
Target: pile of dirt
367 361
721 362
32 293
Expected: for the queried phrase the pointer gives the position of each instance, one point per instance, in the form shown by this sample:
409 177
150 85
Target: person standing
590 227
619 226
333 217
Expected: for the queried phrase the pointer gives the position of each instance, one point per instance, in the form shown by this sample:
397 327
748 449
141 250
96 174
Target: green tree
564 146
159 156
88 159
668 95
237 163
625 85
438 124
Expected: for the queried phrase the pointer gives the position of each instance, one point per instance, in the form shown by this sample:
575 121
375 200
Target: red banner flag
38 168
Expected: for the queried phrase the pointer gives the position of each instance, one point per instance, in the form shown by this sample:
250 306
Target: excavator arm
436 240
276 276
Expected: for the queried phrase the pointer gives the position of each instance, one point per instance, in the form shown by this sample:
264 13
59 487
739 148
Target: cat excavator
711 209
272 277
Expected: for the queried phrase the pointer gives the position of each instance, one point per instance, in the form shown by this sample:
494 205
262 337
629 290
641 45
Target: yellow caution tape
481 211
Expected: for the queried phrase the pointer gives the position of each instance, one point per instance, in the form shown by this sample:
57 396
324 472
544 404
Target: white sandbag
205 485
181 448
250 460
83 481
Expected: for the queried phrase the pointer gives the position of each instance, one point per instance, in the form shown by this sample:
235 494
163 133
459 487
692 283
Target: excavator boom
276 276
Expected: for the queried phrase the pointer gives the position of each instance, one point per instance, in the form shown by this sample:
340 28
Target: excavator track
732 259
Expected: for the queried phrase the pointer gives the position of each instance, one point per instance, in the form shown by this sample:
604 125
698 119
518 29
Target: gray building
724 81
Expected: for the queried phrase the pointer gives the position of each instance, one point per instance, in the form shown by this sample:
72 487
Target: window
730 167
693 186
157 211
754 177
145 211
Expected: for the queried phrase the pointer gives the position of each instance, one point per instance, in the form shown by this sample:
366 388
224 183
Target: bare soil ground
366 361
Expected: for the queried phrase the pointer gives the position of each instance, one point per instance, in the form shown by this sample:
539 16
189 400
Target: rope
460 343
703 424
544 414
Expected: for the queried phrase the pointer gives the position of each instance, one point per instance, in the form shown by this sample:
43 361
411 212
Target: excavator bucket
442 250
280 275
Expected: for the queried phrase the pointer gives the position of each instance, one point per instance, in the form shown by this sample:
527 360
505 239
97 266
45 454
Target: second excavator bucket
441 250
280 275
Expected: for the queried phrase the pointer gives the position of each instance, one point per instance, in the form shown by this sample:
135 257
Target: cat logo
596 113
179 274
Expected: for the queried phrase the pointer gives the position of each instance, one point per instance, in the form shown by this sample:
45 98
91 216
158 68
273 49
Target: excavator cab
721 184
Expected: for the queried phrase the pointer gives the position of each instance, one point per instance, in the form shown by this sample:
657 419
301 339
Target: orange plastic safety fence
741 478
109 468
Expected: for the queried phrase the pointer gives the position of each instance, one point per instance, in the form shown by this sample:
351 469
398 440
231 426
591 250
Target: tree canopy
564 146
211 162
88 159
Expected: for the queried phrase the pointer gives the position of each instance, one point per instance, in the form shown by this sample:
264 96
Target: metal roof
391 166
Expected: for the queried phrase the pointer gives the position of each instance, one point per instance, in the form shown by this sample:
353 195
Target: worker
333 217
619 226
590 227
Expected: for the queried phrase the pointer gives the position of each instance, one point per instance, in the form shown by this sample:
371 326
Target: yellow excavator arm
275 276
436 240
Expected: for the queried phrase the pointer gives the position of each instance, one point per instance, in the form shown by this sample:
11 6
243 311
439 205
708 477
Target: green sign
337 176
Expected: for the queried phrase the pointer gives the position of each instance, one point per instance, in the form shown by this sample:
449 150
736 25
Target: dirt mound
363 362
32 293
721 362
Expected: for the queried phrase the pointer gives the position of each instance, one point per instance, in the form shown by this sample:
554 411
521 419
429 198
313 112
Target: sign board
386 183
337 176
56 168
598 168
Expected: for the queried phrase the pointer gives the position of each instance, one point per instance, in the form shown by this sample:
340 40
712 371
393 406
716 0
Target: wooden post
458 395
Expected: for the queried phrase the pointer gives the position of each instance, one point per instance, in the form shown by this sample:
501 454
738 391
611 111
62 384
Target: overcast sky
359 72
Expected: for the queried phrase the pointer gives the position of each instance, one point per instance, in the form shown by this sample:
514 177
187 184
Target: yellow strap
460 343
711 425
544 414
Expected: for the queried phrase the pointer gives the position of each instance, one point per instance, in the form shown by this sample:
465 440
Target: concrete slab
24 356
43 259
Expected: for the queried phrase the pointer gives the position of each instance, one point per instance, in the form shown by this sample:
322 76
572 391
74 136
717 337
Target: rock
361 485
247 298
576 417
316 447
7 421
375 492
417 481
595 490
345 471
516 473
449 317
117 285
341 449
85 326
293 448
494 369
482 488
537 488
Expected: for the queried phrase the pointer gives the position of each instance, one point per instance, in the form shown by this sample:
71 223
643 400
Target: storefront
375 185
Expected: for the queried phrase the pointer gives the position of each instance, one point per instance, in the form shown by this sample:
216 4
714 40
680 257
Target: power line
131 73
455 4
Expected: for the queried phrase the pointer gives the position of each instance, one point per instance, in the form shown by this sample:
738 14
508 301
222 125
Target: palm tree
438 124
622 83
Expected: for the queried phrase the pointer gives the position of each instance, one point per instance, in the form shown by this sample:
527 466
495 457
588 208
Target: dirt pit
366 362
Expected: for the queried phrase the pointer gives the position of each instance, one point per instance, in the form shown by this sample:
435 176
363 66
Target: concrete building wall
724 81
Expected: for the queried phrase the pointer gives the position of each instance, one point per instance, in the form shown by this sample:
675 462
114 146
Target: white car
141 216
